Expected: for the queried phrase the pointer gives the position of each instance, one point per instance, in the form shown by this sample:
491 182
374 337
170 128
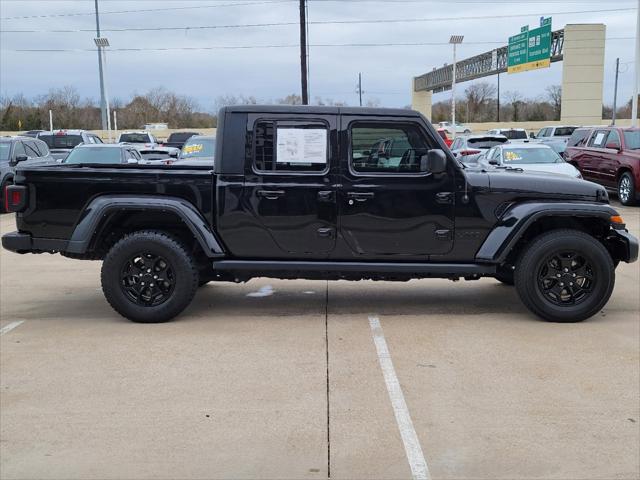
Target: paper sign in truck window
302 145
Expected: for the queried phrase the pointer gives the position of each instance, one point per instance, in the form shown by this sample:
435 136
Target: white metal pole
50 121
106 95
115 123
634 101
453 93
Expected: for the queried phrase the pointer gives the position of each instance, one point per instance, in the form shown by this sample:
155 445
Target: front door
289 185
389 205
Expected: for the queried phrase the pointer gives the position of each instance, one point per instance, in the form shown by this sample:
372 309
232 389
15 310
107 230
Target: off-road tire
628 197
160 245
530 270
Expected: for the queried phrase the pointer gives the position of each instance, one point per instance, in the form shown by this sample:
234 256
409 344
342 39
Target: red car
609 156
445 136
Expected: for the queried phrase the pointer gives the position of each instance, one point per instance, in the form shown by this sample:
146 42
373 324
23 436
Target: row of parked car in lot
607 155
84 147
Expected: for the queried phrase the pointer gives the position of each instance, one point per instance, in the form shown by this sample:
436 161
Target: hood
560 168
544 185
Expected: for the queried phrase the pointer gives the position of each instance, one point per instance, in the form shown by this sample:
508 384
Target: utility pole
103 103
454 40
498 97
615 94
636 80
303 52
360 87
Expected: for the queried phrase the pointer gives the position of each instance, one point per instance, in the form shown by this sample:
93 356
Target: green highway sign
530 49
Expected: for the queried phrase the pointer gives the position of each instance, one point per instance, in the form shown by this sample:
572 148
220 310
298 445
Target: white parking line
412 448
10 326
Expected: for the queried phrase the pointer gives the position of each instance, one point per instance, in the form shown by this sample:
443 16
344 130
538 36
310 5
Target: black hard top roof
314 109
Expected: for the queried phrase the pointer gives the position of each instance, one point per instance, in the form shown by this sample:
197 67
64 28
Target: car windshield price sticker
302 145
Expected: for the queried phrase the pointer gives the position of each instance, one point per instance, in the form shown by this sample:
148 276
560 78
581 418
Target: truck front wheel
149 277
565 276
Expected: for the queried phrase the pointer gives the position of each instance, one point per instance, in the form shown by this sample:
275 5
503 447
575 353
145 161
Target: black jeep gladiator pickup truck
323 193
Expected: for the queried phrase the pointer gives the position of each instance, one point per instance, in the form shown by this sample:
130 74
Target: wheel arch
117 215
524 222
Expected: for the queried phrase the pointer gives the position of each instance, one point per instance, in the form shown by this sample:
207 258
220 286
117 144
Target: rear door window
563 131
290 146
613 141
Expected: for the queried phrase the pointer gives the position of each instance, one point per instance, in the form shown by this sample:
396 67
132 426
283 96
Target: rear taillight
469 152
15 198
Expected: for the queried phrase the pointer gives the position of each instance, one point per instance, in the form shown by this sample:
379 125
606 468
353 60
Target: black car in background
178 139
61 142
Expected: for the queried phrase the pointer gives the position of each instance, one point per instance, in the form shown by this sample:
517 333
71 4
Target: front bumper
623 245
24 243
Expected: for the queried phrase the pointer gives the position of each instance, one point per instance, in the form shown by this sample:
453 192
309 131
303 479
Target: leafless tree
554 95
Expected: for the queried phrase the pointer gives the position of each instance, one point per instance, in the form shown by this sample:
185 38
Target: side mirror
174 154
612 146
532 135
19 158
493 161
436 161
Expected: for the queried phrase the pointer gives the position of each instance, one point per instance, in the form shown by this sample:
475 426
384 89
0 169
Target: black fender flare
517 219
100 207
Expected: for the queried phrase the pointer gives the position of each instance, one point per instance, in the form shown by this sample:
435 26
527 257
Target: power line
193 7
247 47
330 22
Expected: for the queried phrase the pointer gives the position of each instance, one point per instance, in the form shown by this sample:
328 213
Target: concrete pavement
281 379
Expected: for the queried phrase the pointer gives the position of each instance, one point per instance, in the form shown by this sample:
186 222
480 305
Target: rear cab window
291 146
61 140
563 131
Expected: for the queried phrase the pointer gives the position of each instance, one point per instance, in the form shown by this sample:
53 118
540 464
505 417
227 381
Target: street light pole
615 94
454 40
102 43
103 103
634 101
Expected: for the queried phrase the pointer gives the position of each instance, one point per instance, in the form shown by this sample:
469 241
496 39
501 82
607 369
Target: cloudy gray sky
270 73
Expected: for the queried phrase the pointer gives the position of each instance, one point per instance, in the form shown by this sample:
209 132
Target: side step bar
435 269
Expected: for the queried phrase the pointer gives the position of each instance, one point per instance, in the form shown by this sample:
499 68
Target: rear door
289 184
389 205
610 159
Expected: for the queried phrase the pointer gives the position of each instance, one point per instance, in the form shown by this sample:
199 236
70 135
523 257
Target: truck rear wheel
149 277
565 276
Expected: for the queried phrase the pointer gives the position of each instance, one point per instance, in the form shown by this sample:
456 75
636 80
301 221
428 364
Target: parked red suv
609 156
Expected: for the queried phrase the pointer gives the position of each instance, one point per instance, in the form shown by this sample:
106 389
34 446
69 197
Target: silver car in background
528 157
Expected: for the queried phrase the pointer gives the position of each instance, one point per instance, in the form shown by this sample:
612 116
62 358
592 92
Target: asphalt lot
287 379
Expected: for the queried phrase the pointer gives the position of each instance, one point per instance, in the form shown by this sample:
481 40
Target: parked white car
529 157
459 127
144 141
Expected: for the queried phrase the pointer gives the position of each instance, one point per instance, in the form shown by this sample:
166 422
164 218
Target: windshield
515 134
519 156
179 136
563 131
198 148
485 142
99 155
632 139
135 138
61 141
5 148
